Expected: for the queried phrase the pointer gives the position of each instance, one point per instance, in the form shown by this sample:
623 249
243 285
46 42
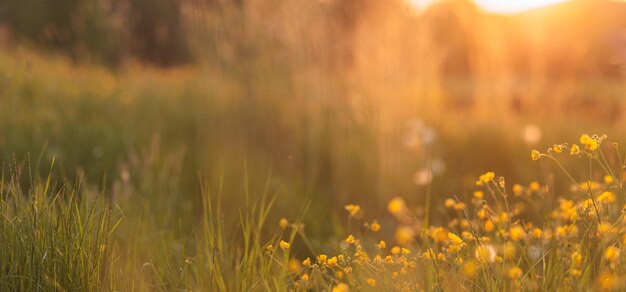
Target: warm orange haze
310 145
512 6
498 6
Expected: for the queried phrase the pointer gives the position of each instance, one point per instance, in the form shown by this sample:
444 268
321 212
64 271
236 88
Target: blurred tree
156 31
80 28
101 31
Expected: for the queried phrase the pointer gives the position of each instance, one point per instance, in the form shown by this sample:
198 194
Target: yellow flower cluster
589 142
396 206
353 210
501 238
485 178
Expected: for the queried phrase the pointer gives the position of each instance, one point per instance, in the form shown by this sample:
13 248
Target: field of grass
304 157
505 236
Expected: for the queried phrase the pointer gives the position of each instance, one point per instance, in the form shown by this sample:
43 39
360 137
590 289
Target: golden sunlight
498 6
513 6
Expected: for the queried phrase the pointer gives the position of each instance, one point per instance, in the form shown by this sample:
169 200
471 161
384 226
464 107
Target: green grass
175 179
58 236
55 237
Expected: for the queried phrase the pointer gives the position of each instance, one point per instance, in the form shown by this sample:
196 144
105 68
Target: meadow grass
59 236
505 237
54 238
220 179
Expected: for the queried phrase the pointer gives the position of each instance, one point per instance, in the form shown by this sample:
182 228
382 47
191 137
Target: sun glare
497 6
512 6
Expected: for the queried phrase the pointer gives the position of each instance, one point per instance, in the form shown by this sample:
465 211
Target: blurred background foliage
105 32
334 101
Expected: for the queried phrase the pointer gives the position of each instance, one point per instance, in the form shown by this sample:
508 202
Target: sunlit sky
499 6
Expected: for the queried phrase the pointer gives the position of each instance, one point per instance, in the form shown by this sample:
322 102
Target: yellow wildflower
515 273
479 195
322 258
517 233
371 282
575 150
439 234
429 254
404 235
396 206
504 217
517 189
485 178
469 269
534 154
375 226
565 204
589 142
611 253
607 281
353 209
306 262
350 239
577 258
458 261
441 256
608 179
566 230
488 226
557 148
459 206
449 203
485 254
534 186
454 239
284 245
294 266
381 244
396 250
589 185
467 235
283 223
606 197
605 228
332 261
341 287
304 277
